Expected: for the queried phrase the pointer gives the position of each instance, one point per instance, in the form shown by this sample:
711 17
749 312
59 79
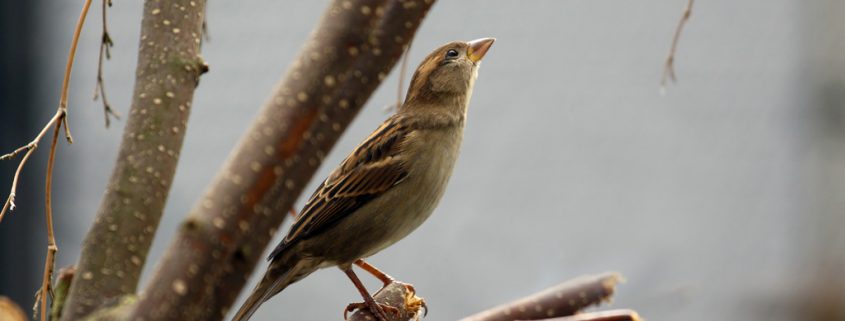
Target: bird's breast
431 163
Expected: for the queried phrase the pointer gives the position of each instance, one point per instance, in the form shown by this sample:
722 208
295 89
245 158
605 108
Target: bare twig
29 148
59 117
16 152
609 315
403 70
401 86
105 53
51 240
206 37
561 300
669 66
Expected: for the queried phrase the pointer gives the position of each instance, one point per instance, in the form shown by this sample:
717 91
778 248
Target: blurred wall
573 163
23 241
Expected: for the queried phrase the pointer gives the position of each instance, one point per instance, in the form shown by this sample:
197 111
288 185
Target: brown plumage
388 185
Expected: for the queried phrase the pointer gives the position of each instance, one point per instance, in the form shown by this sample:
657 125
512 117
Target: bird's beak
478 48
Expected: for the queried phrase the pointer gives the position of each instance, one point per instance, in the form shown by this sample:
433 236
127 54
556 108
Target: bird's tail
282 272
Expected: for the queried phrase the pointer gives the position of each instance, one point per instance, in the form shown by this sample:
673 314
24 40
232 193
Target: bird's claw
412 301
378 310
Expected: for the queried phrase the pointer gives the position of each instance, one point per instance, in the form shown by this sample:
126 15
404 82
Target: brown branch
351 51
561 300
669 66
609 315
105 53
58 120
59 117
50 262
168 71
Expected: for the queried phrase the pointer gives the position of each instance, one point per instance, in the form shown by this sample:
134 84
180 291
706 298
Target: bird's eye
452 53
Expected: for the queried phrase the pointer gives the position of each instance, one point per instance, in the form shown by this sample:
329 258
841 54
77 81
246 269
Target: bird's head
449 71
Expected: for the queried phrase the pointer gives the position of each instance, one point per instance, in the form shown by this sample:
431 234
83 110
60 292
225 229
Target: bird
387 186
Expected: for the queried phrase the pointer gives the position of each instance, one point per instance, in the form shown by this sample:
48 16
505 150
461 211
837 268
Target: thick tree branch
351 51
169 66
561 300
609 315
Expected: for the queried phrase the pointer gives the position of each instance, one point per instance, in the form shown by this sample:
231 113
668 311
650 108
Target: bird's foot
412 301
377 309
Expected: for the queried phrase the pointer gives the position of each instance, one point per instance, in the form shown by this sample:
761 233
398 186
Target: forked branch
58 120
59 117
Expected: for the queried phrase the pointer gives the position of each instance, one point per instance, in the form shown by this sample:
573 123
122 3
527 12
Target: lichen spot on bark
180 287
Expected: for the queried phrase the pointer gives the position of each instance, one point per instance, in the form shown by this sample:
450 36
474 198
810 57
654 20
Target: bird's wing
373 168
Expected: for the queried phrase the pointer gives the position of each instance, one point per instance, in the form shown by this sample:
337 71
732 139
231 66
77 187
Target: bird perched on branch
387 186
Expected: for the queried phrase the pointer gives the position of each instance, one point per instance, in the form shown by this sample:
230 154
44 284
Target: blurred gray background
720 200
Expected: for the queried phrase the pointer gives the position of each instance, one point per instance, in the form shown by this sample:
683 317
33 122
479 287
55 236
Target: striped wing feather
370 170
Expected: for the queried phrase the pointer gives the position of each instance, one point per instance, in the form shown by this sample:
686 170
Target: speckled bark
352 50
558 301
610 315
168 70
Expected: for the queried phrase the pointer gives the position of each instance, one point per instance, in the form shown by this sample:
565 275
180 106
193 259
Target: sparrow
387 186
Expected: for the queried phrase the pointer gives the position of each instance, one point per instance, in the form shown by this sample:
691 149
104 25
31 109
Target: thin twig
58 120
402 72
69 67
401 88
30 148
49 263
59 117
16 152
669 66
204 28
105 53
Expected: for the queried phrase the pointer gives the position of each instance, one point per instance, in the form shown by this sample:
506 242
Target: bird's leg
383 277
375 308
379 274
387 279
